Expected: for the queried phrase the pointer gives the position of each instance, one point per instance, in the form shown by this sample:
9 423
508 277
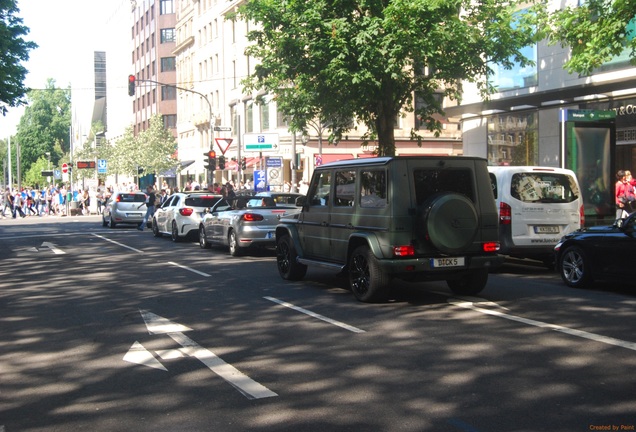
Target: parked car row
414 218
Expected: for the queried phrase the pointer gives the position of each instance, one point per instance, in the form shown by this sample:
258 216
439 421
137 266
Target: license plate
448 262
133 214
546 229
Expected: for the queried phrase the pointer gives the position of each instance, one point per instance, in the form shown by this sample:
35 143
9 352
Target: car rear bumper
403 267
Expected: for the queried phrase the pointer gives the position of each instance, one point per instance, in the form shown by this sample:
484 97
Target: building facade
153 63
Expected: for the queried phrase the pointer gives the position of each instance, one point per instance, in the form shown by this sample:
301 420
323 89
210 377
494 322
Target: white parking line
315 315
118 244
189 269
572 332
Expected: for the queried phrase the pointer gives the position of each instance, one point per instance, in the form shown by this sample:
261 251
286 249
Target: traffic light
131 85
221 162
243 163
209 162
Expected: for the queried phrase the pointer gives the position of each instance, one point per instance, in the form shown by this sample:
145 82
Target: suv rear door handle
324 223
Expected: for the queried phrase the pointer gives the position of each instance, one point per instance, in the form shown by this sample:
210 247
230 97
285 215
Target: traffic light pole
210 173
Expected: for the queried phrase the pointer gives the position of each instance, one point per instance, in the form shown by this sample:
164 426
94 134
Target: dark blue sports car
595 253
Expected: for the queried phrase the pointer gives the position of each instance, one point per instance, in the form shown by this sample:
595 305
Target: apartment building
153 61
543 115
211 64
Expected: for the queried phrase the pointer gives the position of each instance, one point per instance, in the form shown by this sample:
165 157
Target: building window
249 117
168 64
513 139
168 93
168 35
170 121
166 7
265 116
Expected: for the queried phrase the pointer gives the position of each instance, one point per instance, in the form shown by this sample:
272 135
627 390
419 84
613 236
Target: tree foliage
596 31
367 59
13 51
153 150
45 125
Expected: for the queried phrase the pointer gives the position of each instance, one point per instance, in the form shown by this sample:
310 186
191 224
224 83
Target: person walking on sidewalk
150 207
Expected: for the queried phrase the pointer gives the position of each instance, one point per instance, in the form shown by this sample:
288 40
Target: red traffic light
211 154
131 85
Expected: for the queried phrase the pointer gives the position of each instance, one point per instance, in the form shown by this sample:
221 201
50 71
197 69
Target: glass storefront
513 139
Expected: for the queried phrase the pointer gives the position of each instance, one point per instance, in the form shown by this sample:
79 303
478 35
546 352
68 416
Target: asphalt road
115 330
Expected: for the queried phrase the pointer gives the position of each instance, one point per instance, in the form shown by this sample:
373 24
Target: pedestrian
624 195
150 207
18 202
230 190
8 202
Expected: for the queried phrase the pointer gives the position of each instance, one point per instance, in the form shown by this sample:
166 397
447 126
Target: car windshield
536 187
131 197
201 201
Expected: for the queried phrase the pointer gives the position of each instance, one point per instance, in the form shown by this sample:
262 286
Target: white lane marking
315 315
53 249
118 244
573 332
245 385
189 269
139 355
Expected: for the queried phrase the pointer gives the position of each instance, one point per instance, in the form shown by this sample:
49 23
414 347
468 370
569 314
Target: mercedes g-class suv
414 218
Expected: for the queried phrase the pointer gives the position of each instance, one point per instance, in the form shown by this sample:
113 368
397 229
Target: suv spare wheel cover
451 222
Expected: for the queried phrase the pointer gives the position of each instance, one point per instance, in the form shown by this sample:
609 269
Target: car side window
345 188
373 189
319 190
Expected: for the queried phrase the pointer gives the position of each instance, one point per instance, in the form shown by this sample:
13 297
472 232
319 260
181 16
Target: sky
64 30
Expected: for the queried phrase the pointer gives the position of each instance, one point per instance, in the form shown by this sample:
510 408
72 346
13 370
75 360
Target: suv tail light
491 246
186 211
505 214
402 251
252 217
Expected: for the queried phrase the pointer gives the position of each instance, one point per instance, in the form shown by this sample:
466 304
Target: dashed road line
315 315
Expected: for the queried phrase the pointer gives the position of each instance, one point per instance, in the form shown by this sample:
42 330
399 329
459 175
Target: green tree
366 60
33 176
153 150
596 31
14 50
44 126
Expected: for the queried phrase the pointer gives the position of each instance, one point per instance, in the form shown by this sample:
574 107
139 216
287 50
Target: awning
184 164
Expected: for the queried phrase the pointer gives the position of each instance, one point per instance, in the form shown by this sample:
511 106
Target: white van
537 206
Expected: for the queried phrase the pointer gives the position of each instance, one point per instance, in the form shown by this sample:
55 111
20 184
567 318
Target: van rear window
532 187
429 182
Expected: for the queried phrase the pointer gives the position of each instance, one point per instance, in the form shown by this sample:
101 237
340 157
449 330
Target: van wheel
369 283
574 267
286 259
450 222
471 283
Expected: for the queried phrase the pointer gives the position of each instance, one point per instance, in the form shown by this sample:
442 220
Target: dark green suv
413 218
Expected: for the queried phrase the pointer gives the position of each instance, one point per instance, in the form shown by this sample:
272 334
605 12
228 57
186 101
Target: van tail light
252 217
582 216
402 251
491 247
505 213
186 211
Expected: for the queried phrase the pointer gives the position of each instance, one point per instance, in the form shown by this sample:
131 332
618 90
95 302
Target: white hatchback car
180 215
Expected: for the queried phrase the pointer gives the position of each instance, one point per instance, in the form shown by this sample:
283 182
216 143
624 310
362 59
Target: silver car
242 222
124 208
179 216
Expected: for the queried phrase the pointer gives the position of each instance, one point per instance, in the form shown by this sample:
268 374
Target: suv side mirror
300 201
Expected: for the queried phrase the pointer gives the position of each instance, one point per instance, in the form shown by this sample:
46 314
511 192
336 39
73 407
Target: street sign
223 143
65 168
222 128
260 181
47 173
102 166
263 142
85 164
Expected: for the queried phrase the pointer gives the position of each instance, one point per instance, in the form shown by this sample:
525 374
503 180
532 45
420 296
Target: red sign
223 141
65 168
85 164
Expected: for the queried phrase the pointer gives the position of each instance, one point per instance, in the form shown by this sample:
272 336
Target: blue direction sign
260 181
102 166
